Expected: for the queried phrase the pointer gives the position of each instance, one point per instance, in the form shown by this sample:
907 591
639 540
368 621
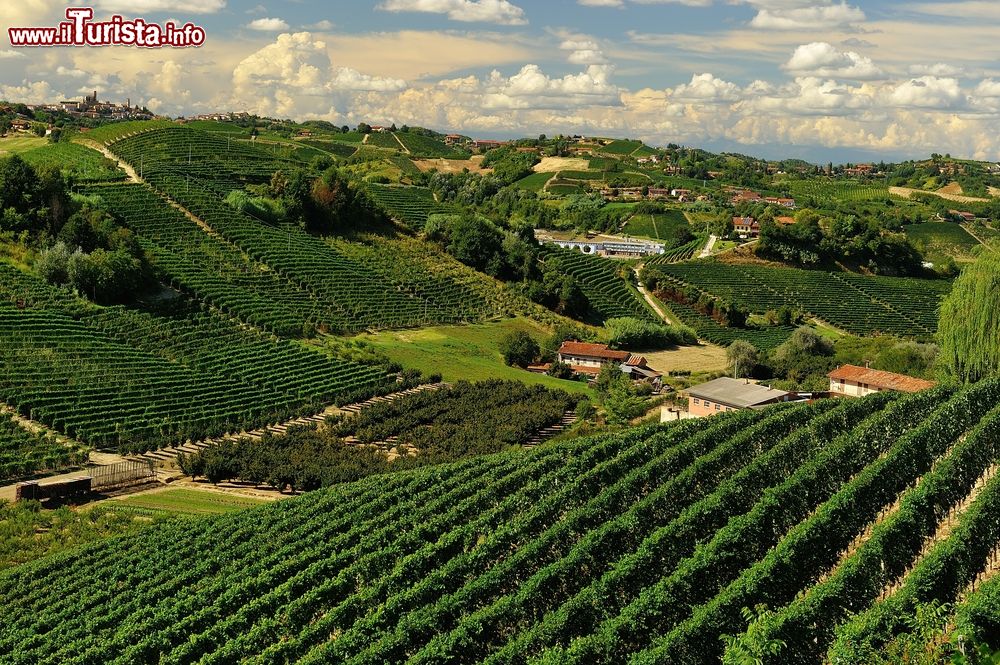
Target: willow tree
969 327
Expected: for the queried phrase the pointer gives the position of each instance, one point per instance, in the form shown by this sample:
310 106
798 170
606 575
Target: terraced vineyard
859 304
23 453
682 253
609 295
641 546
409 205
216 271
83 163
113 377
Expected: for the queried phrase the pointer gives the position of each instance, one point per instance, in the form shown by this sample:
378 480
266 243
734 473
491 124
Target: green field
534 182
621 147
641 546
581 175
17 143
182 501
464 352
658 227
564 189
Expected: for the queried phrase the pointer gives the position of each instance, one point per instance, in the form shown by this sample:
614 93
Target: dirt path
649 298
708 247
403 147
906 192
129 171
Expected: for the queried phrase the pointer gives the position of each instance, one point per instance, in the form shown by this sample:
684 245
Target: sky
822 80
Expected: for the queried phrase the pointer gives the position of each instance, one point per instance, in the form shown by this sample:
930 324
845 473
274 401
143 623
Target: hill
641 545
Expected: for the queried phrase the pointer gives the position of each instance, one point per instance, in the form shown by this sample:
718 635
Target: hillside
644 544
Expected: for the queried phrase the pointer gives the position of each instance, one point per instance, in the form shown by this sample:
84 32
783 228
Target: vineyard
608 293
428 147
681 253
858 304
640 546
621 147
114 377
708 329
23 453
409 205
80 162
835 190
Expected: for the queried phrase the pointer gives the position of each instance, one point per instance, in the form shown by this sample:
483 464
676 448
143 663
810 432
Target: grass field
183 501
19 143
564 189
657 227
534 182
464 352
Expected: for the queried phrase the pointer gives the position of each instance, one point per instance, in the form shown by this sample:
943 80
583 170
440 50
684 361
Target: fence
121 474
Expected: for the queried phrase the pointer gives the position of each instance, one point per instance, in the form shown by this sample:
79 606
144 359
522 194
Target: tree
518 348
742 358
969 325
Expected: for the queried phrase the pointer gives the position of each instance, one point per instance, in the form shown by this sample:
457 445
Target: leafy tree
742 358
518 348
969 325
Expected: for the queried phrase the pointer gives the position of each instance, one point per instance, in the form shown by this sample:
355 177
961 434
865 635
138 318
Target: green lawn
19 143
464 352
182 501
657 227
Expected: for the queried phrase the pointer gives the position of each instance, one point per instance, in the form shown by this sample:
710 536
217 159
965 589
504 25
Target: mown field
660 226
181 501
642 546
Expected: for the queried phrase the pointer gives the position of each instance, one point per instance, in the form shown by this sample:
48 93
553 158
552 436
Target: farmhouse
859 170
452 139
784 220
964 215
854 381
774 200
727 394
746 227
742 196
486 144
589 359
658 193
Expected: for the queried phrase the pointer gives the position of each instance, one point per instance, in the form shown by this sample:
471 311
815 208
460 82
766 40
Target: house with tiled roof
726 394
855 381
746 227
590 359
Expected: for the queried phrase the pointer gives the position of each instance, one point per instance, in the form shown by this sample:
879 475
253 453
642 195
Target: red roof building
854 381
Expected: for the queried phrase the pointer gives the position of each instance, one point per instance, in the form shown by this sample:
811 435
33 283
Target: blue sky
823 79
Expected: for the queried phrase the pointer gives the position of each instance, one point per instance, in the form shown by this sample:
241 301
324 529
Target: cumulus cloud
268 24
583 52
937 69
11 54
138 7
802 15
531 88
294 75
928 92
823 59
707 88
501 12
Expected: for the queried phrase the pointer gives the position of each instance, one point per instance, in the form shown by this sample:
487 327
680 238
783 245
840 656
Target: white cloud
72 73
11 54
321 25
584 52
928 92
501 12
937 69
823 59
138 7
801 15
531 88
268 24
967 9
707 88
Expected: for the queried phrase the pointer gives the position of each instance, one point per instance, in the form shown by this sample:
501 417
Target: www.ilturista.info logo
80 30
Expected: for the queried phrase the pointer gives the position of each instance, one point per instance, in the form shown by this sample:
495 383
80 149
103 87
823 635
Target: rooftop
877 378
582 349
736 392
